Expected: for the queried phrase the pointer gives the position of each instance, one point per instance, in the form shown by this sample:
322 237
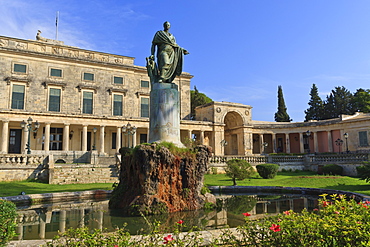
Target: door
15 141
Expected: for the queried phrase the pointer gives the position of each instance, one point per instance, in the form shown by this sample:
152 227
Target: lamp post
94 144
223 144
30 126
339 142
346 137
129 131
308 134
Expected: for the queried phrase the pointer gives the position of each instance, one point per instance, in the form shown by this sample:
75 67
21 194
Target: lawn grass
29 187
296 179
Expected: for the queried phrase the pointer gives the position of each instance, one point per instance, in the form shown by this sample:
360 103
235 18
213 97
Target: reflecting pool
44 221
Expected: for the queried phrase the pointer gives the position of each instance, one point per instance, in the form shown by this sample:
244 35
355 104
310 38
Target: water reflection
44 221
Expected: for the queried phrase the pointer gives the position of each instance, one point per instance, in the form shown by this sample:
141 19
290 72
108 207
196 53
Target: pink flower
336 212
315 209
367 202
246 214
286 212
167 239
275 228
180 222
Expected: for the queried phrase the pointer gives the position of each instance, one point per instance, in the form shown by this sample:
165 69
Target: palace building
83 101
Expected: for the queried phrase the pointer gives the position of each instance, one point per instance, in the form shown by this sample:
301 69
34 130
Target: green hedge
332 169
267 171
363 172
8 215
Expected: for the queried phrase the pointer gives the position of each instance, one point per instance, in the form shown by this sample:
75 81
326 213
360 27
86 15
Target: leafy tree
361 100
338 102
239 169
281 115
197 99
316 109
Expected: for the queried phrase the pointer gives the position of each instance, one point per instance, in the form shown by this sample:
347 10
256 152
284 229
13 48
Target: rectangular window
56 72
114 140
362 135
54 99
20 68
18 97
88 77
56 139
143 138
144 84
117 104
118 80
87 103
144 107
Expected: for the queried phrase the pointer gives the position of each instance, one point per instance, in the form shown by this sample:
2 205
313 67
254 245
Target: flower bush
8 215
336 222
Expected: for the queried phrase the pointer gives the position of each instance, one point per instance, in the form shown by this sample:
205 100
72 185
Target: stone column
201 137
5 137
189 135
273 143
66 137
315 142
62 220
301 147
217 137
101 141
134 139
330 142
118 138
24 140
47 137
261 143
287 145
84 138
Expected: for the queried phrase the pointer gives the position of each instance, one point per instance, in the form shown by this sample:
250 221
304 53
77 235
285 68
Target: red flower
365 206
180 222
246 214
115 245
167 239
367 202
275 228
286 212
325 203
315 209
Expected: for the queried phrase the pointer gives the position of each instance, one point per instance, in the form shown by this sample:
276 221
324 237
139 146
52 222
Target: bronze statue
169 57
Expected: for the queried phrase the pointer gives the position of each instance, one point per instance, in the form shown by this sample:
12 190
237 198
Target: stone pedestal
164 114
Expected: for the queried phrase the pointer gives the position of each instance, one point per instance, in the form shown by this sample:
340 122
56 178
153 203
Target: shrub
363 172
8 215
238 169
336 222
267 171
332 169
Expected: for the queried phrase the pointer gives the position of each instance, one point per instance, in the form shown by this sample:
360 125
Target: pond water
44 221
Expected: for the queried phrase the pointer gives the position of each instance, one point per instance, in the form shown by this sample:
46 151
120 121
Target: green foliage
197 99
267 171
316 109
336 222
240 204
361 100
8 215
332 169
338 102
239 169
204 190
281 115
364 172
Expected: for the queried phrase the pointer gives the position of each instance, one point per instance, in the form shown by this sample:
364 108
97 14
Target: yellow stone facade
82 99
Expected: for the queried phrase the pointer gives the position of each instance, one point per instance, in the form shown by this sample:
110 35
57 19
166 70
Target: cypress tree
281 115
197 99
315 111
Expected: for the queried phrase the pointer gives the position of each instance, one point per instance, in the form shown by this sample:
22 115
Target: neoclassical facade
83 100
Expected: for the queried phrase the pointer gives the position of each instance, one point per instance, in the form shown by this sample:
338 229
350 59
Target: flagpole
56 25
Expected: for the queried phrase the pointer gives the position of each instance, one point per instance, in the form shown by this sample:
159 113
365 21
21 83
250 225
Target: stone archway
233 134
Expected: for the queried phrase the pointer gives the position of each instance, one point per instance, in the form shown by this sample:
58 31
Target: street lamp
346 137
339 142
129 131
30 126
94 145
308 134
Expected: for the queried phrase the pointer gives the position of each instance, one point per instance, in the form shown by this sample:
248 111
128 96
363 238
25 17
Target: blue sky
240 50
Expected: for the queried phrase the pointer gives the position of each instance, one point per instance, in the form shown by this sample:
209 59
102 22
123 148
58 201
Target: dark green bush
363 172
239 169
267 171
8 215
332 169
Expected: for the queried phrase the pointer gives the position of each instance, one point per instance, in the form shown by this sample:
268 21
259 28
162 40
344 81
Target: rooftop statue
51 41
169 57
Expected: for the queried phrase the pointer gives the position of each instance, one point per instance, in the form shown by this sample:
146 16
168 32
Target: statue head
166 25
